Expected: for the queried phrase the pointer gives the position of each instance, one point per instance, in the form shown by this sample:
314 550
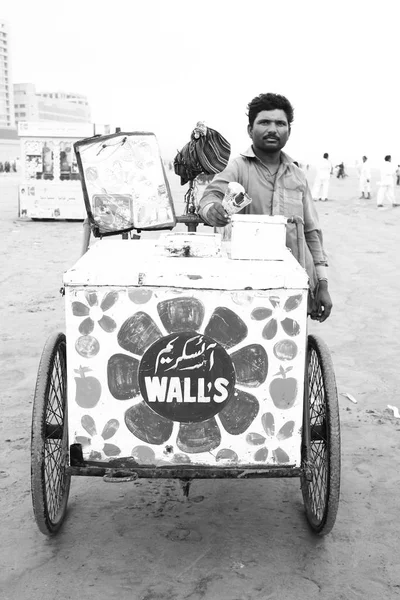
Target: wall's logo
186 377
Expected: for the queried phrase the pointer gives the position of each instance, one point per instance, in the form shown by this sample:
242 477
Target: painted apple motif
88 389
283 390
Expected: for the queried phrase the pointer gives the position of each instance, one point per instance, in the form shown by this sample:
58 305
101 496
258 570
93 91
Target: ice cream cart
50 186
184 356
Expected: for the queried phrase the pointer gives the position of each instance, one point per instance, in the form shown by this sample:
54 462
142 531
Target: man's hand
217 215
323 303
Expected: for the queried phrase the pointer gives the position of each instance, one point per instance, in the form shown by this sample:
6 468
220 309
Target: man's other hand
323 303
217 215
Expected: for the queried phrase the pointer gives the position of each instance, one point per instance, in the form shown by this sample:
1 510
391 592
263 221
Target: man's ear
249 130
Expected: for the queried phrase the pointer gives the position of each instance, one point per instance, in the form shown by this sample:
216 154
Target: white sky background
162 65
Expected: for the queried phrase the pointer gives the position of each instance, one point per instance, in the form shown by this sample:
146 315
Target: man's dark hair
269 102
388 158
326 155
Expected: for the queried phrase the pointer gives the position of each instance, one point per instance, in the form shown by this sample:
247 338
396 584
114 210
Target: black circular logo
186 377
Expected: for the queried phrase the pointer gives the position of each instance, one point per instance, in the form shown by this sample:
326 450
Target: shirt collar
249 153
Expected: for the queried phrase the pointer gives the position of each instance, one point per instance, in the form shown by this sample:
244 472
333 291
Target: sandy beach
233 540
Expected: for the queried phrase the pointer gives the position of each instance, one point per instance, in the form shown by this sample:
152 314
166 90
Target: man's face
270 130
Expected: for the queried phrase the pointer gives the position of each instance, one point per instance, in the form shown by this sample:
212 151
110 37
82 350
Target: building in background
31 105
9 141
6 89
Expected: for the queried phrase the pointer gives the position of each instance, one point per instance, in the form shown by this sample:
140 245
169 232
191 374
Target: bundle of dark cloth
207 152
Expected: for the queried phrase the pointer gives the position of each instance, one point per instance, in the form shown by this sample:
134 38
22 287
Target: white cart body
138 393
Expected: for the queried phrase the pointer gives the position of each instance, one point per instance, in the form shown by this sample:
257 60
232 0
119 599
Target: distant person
365 179
7 166
398 175
321 183
341 173
386 184
1 167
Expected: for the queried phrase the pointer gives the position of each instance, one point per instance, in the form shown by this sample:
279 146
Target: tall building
6 89
31 105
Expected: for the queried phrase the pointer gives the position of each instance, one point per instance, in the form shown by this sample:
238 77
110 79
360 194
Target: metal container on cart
187 357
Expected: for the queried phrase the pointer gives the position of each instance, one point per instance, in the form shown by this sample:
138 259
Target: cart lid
112 262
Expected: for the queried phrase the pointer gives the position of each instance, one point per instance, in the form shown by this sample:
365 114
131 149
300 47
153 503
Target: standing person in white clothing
321 183
386 184
365 179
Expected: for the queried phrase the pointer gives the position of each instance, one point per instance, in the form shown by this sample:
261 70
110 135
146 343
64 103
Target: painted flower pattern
278 314
94 312
97 444
271 442
177 315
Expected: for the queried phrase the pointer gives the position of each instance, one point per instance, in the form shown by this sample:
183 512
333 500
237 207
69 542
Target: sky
163 65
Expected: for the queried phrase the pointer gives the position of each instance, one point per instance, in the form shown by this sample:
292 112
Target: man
321 183
386 184
277 187
365 179
340 171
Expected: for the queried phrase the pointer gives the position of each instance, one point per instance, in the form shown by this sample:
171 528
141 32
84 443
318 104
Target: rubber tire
50 501
323 523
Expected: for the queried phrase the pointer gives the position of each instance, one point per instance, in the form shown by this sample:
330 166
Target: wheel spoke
55 460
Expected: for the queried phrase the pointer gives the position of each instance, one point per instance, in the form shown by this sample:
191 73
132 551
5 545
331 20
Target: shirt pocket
293 198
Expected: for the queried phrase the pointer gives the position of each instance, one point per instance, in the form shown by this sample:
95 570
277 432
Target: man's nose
271 127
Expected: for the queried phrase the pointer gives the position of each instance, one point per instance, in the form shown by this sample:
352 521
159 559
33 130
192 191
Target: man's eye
281 124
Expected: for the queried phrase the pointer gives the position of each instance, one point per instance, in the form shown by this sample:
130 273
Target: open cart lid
124 183
142 263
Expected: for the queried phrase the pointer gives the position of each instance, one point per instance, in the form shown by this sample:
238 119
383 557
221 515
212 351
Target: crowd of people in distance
8 167
386 184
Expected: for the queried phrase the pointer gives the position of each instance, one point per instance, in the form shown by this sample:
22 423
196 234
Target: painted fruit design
87 346
88 389
283 390
285 350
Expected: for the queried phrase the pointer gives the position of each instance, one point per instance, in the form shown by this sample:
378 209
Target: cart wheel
49 443
321 485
